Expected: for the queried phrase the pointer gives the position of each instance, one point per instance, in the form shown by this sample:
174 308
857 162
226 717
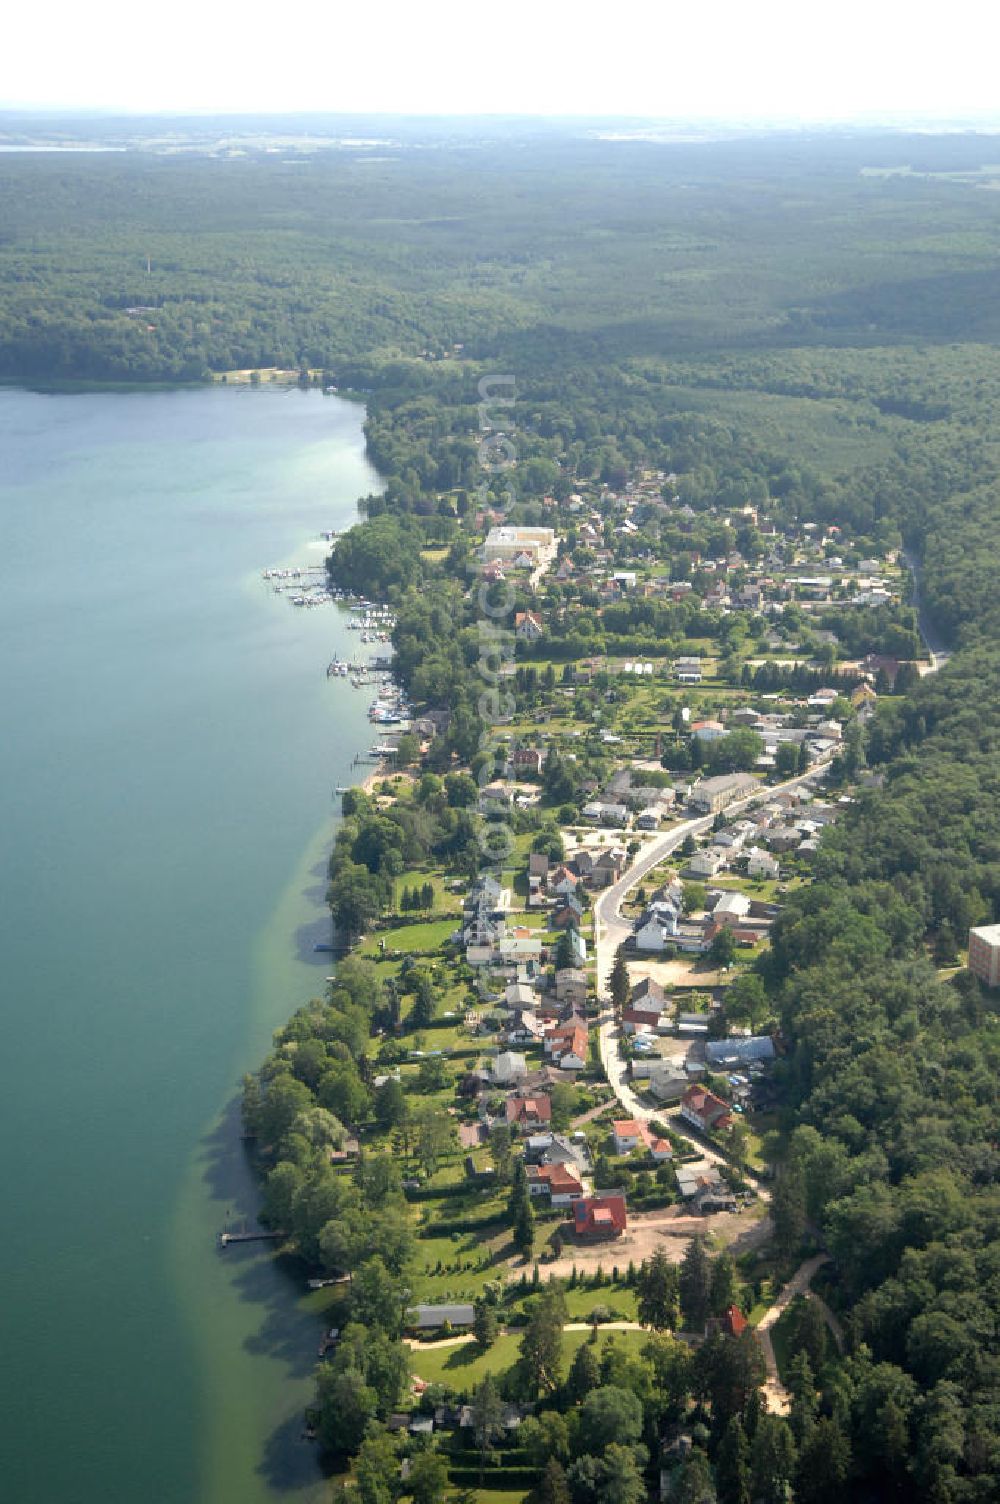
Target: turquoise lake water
170 746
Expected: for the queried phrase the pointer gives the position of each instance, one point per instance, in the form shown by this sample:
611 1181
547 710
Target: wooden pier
225 1238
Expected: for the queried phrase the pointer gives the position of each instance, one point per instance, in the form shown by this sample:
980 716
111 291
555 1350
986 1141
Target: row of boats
375 623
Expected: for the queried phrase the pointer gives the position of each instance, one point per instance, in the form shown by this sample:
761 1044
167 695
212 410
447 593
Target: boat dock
225 1238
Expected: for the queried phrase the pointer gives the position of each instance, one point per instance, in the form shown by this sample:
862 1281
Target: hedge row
460 1224
433 1193
494 1477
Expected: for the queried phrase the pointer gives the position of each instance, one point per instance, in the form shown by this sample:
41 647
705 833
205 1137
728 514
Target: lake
170 747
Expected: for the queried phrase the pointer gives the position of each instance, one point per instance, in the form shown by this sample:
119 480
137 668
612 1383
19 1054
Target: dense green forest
762 319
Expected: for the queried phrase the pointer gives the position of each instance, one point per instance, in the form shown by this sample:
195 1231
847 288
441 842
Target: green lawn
462 1367
426 935
445 902
618 1298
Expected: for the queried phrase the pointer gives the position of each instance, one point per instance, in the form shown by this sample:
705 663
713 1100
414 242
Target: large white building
508 544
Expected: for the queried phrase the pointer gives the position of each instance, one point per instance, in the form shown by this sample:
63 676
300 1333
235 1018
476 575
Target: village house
713 795
528 626
783 838
508 1066
763 864
563 882
571 985
568 912
686 670
644 1012
488 896
520 995
658 929
705 1110
559 1182
706 863
600 1217
577 947
524 1028
525 762
607 867
732 838
519 946
629 1134
661 1083
558 1149
566 1045
600 812
650 992
495 797
732 1323
527 1114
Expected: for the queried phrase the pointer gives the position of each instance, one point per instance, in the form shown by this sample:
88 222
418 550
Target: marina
308 585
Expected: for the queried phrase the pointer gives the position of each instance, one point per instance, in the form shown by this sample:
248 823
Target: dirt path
778 1399
590 1114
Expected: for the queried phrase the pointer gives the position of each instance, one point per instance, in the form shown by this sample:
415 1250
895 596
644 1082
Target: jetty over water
260 1236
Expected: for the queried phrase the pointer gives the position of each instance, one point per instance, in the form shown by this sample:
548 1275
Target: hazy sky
760 58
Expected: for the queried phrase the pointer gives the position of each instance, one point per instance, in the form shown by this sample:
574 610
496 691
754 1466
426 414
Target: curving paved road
610 930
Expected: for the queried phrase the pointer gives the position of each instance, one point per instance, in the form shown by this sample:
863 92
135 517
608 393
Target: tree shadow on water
272 1286
290 1462
317 930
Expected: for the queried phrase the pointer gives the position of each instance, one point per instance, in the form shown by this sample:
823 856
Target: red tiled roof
601 1212
520 1109
559 1178
735 1321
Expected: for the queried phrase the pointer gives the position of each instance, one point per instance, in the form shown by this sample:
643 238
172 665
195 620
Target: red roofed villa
705 1110
567 1045
528 1112
597 1217
629 1133
558 1182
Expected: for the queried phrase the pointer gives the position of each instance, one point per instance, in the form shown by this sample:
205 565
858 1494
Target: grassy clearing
465 1366
618 1298
424 936
445 900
